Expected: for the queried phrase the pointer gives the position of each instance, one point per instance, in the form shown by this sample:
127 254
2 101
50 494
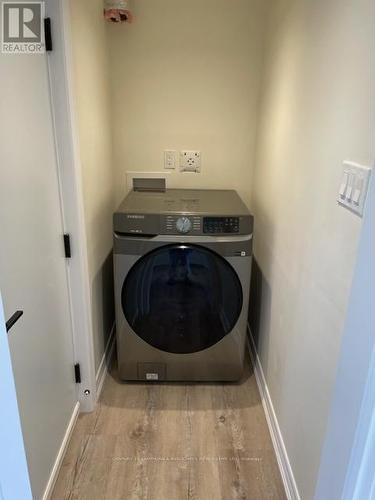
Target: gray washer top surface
185 201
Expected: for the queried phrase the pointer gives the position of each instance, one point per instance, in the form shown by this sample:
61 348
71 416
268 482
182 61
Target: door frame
347 467
60 64
360 476
360 479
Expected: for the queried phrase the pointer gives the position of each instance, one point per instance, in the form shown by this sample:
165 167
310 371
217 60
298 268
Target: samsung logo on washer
133 219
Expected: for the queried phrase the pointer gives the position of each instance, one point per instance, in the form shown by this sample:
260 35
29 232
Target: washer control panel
183 224
221 225
196 225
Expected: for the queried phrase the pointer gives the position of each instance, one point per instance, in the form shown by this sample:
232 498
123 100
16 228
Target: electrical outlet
170 159
190 161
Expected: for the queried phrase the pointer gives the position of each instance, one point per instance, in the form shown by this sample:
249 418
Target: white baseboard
105 362
286 471
60 456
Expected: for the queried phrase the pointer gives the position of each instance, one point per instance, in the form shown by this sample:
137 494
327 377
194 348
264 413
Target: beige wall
92 97
317 109
185 75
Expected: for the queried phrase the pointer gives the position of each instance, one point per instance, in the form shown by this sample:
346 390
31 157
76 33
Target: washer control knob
183 225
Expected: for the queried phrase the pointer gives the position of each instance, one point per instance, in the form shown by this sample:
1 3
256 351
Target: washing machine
182 264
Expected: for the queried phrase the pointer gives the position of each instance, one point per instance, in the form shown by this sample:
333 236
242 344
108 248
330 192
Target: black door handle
13 320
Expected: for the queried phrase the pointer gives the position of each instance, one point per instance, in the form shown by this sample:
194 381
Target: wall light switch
344 185
170 159
349 189
358 188
354 187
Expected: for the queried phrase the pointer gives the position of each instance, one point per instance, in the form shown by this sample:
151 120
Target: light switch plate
354 186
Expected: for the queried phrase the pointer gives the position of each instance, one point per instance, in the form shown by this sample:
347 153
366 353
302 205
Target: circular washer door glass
182 299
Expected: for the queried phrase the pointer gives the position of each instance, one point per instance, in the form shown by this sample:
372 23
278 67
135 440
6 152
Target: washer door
182 298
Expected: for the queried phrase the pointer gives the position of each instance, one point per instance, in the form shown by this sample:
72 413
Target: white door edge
70 178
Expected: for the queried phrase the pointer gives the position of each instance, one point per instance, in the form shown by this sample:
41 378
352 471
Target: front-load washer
182 264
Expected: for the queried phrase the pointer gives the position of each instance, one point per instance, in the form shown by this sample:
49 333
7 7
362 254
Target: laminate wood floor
170 442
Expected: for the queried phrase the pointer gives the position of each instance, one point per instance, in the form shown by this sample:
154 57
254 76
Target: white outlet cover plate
190 161
170 159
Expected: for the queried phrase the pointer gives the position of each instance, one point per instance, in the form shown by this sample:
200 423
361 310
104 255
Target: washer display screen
182 298
221 225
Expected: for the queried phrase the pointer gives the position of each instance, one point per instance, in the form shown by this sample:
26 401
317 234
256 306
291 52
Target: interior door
33 274
182 298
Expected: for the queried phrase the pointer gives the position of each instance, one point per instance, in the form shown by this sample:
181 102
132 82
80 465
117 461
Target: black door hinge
48 34
67 248
77 373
